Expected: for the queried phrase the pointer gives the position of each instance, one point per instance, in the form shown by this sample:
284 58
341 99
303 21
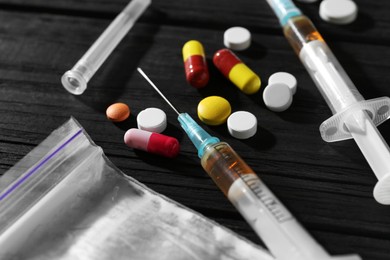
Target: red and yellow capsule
236 71
197 73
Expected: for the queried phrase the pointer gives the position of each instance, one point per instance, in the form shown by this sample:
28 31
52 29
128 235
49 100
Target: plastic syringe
273 223
75 80
353 117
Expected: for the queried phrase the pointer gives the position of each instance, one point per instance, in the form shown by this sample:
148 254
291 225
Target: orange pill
118 112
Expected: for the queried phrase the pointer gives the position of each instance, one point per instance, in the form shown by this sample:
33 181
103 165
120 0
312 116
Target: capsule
236 71
197 73
152 142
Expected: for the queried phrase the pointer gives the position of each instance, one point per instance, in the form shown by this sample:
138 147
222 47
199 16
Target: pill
277 97
338 11
118 112
237 38
214 110
152 119
242 124
236 71
286 78
156 143
195 65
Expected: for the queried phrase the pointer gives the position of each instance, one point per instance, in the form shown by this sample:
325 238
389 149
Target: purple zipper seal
37 167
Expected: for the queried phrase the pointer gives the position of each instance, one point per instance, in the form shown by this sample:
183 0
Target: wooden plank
372 24
327 186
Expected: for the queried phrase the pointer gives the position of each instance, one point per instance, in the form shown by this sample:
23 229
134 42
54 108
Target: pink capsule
152 142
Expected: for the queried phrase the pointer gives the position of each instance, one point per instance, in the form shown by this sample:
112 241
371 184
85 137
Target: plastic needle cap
75 80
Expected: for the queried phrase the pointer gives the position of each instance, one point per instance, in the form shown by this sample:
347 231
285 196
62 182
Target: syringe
353 117
75 80
275 225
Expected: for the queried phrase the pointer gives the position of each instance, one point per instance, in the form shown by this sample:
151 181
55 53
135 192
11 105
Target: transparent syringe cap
334 129
75 80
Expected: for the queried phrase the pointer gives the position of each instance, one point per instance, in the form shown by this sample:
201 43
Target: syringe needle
280 231
156 88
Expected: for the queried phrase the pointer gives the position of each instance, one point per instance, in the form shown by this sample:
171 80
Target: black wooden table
328 187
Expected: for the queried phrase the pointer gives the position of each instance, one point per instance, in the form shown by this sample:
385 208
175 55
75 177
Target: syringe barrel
275 225
76 79
330 78
353 117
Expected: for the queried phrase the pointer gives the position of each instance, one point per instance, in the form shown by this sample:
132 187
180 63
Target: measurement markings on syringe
256 186
280 213
266 197
221 149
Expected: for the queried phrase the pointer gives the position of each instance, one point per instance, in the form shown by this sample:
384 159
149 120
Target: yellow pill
214 110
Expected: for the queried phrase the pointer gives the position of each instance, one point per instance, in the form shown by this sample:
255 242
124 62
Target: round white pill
286 78
338 11
242 124
152 119
237 38
277 97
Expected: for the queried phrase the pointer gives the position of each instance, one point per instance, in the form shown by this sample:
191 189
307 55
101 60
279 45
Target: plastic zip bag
66 200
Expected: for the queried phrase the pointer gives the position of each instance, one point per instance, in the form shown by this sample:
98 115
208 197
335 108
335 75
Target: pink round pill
152 142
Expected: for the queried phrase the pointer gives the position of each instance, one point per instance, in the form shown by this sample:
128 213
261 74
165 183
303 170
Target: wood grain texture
328 187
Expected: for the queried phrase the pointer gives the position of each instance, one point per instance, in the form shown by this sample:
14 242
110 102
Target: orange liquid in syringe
300 30
224 166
